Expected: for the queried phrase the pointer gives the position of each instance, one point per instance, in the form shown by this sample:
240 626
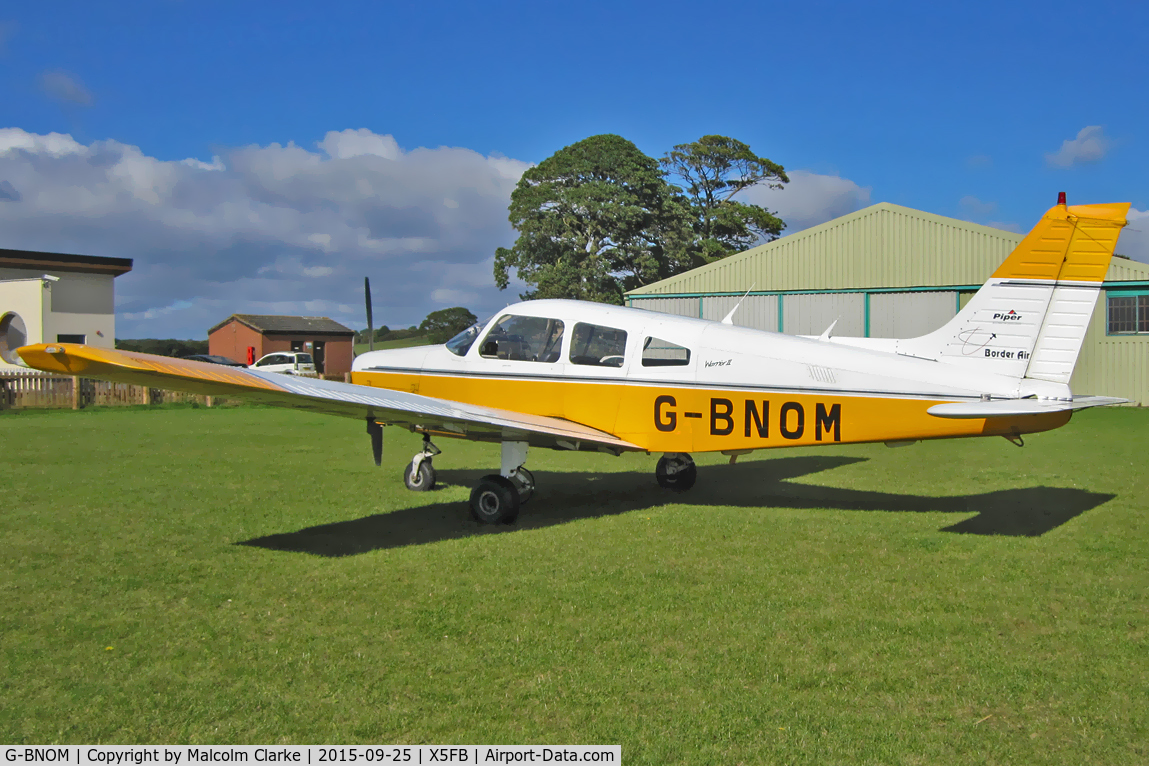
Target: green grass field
246 575
421 340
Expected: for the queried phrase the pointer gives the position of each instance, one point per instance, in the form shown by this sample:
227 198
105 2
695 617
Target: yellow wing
344 399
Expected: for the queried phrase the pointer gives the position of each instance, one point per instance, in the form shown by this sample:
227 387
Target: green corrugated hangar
888 271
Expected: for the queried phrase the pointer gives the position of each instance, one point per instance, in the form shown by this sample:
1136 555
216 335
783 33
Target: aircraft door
520 361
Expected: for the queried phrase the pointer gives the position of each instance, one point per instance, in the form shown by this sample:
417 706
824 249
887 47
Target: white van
289 362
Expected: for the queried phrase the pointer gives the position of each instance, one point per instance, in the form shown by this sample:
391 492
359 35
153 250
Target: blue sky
974 110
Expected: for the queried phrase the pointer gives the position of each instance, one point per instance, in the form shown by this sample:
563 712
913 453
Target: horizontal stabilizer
1004 408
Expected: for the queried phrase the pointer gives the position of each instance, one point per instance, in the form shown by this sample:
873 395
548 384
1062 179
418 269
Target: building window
71 338
1128 314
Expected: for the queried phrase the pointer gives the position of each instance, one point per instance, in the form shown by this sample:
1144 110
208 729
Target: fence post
346 377
207 400
75 392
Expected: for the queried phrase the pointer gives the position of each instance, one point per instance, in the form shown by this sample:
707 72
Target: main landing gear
496 498
676 470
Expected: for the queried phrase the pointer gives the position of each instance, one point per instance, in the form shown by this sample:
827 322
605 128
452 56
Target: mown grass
246 575
419 340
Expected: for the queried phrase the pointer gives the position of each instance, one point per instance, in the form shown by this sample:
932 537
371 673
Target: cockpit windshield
461 343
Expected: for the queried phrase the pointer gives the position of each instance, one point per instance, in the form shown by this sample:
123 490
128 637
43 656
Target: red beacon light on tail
1061 198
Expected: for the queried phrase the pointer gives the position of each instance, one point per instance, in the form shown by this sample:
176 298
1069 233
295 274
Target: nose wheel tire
421 480
678 473
495 500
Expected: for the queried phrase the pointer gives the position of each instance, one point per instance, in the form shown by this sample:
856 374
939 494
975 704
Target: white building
56 298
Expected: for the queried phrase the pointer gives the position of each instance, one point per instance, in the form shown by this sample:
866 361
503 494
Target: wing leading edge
329 397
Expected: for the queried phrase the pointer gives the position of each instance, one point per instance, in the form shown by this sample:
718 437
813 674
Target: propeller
373 428
370 322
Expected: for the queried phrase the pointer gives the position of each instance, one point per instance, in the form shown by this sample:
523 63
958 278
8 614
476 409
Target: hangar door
757 311
908 315
887 315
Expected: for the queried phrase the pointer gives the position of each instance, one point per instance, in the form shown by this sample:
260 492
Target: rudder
1029 320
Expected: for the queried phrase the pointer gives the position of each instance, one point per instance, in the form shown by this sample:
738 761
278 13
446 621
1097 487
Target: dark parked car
215 360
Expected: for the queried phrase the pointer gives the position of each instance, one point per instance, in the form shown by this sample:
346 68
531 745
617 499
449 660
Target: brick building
244 337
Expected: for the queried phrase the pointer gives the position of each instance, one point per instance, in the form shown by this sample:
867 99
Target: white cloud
976 207
345 144
1134 241
1091 145
267 229
449 297
810 199
65 87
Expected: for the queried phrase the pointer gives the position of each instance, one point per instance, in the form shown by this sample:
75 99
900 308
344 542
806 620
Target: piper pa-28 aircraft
570 375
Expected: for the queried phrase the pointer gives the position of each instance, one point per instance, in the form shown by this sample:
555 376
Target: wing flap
324 396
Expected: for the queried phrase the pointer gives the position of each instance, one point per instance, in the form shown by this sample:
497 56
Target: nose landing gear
419 475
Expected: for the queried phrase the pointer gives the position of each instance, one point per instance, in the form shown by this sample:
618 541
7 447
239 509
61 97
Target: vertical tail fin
1029 319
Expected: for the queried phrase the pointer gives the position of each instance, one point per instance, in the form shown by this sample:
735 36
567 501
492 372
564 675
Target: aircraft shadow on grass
567 497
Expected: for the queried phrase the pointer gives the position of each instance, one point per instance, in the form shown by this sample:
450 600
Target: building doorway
318 356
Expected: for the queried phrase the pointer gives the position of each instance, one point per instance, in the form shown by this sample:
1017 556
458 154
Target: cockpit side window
597 346
663 353
524 339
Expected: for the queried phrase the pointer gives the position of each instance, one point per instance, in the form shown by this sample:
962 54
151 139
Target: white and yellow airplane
570 375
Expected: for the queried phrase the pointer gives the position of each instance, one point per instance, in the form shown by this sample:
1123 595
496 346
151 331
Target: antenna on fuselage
729 318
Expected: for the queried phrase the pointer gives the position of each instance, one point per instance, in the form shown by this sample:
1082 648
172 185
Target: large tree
713 170
444 324
595 219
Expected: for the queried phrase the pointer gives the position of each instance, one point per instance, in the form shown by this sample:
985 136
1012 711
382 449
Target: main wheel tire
495 500
525 485
422 480
680 481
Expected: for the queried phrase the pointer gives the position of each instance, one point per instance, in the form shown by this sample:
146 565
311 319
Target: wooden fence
39 389
43 389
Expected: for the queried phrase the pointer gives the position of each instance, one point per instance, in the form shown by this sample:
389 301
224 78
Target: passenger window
525 339
663 353
597 346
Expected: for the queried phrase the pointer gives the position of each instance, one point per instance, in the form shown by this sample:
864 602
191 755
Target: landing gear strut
419 475
497 497
676 470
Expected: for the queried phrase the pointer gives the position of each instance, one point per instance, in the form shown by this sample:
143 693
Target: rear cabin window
524 339
304 358
597 346
662 353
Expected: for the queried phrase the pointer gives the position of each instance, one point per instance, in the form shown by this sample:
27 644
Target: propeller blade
370 321
376 432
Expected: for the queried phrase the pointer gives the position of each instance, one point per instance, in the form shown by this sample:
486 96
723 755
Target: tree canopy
440 326
598 218
713 170
595 219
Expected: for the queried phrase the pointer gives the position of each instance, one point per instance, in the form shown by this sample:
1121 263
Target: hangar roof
884 245
34 260
287 324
